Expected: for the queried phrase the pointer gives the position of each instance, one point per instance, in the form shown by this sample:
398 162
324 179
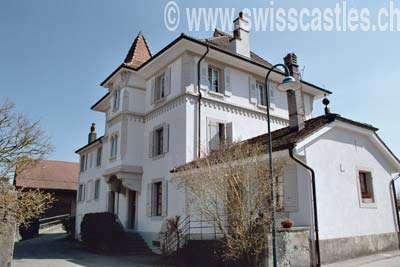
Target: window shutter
252 90
213 135
149 204
164 208
290 188
204 75
153 90
166 138
168 81
227 80
188 73
151 145
228 132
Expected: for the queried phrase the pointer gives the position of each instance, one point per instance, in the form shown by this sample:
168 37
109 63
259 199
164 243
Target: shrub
102 232
68 225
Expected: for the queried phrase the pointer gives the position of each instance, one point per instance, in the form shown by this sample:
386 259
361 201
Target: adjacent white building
157 120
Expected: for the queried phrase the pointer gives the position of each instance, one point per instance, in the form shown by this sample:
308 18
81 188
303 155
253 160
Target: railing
195 227
49 221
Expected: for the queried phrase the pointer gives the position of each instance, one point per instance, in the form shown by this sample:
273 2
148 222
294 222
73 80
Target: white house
157 120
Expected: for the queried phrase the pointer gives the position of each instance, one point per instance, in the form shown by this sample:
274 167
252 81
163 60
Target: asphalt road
53 250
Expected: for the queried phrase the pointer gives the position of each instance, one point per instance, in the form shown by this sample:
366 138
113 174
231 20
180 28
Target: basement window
366 188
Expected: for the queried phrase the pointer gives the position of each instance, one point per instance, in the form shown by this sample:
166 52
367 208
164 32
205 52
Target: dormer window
116 99
214 79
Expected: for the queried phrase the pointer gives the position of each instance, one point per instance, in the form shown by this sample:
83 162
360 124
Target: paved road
53 250
386 259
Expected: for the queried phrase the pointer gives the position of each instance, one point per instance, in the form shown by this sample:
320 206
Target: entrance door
132 209
111 202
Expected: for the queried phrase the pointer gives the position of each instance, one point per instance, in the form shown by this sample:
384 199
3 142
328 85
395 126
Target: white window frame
116 100
214 72
224 135
96 190
160 93
82 163
261 94
113 146
99 152
158 141
366 202
81 193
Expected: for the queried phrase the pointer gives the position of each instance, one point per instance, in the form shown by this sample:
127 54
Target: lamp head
288 83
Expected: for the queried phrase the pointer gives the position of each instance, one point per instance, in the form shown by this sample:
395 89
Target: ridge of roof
192 39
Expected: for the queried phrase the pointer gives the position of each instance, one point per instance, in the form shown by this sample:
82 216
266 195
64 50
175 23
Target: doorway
131 209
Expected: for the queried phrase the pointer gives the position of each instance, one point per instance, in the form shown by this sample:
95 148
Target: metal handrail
188 226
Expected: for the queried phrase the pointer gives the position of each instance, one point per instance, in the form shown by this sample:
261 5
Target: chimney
92 134
240 44
295 98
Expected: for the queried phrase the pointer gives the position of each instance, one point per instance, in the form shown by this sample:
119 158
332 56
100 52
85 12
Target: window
219 133
116 99
158 143
160 88
157 199
81 193
89 190
366 187
113 146
98 156
96 189
261 96
214 80
82 168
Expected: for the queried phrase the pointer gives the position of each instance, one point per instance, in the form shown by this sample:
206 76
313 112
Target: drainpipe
395 201
199 103
314 202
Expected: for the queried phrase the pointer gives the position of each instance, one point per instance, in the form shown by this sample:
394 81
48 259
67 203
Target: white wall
336 158
89 204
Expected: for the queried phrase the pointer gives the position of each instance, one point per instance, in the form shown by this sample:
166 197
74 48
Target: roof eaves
98 140
99 101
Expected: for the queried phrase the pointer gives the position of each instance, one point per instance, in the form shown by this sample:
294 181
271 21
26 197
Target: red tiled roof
139 52
50 174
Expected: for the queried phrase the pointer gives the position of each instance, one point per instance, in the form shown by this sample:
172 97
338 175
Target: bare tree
231 186
22 144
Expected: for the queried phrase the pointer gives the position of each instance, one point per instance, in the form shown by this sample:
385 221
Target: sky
54 55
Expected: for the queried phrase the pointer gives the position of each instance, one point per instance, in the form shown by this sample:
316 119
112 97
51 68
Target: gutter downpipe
199 103
395 201
314 202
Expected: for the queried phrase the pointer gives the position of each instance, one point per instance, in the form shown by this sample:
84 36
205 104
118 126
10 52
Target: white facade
134 118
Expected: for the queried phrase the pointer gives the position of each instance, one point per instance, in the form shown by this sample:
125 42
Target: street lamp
288 83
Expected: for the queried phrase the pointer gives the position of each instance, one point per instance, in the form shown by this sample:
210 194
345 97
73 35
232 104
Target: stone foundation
293 247
338 249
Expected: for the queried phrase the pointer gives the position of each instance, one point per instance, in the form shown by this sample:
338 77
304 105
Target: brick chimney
295 98
240 44
92 134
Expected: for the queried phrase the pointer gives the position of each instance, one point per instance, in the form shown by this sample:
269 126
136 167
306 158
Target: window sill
157 218
368 204
113 158
216 94
158 156
159 101
272 107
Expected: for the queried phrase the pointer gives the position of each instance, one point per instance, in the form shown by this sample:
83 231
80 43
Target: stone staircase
136 245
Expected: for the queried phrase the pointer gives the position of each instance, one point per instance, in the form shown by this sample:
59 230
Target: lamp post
288 83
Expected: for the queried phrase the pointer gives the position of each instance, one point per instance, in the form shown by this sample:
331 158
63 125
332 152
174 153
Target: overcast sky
54 54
